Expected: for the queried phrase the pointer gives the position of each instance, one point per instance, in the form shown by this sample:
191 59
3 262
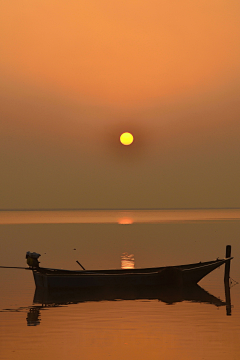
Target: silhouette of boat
177 276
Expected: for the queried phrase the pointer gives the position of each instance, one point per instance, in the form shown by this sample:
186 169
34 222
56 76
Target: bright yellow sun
126 138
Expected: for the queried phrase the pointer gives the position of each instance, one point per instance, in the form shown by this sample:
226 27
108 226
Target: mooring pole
226 281
228 299
227 265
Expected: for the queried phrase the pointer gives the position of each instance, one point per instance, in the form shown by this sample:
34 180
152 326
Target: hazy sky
76 74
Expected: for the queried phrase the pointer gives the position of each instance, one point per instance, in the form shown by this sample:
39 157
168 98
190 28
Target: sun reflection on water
127 261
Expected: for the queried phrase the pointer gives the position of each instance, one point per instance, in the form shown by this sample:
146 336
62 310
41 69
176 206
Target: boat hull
158 277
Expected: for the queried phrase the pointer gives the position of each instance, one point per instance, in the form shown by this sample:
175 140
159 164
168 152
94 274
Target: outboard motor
32 259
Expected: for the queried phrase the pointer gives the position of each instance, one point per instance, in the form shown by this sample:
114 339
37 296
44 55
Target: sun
126 138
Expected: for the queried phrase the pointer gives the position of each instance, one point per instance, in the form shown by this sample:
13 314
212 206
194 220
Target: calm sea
189 325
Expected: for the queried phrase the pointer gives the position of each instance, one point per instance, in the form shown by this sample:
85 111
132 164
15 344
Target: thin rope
232 282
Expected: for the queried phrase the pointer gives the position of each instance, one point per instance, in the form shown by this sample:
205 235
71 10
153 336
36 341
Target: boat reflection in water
33 316
169 296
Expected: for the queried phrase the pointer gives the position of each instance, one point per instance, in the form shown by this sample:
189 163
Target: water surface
138 329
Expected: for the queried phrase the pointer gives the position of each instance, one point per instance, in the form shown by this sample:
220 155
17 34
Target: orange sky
120 53
77 74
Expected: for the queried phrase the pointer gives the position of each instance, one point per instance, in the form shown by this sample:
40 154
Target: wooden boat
176 276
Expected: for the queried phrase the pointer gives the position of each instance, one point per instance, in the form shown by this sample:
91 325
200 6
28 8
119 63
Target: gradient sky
75 75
